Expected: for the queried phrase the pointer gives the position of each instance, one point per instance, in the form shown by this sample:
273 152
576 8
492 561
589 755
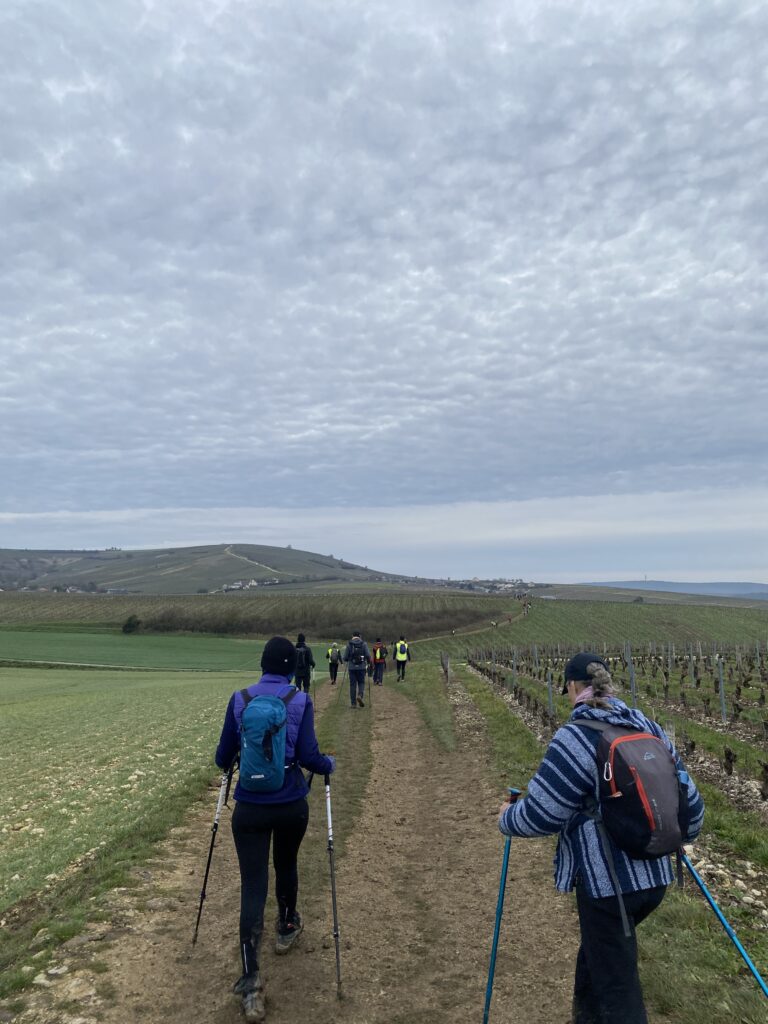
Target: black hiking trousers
253 826
607 985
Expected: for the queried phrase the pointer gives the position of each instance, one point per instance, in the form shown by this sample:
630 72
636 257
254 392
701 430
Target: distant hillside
177 570
748 590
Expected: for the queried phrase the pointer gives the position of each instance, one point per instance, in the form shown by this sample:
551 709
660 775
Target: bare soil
417 890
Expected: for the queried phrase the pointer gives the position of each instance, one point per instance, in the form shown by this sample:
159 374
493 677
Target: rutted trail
419 884
417 888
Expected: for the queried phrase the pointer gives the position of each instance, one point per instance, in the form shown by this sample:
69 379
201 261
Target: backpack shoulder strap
591 810
288 697
590 723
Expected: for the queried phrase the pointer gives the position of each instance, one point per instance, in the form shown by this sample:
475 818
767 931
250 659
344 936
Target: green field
89 755
112 649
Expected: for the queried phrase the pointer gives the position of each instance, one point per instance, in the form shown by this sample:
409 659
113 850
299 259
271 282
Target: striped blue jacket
557 793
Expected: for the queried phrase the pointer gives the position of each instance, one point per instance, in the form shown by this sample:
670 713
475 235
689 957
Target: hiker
380 652
402 657
560 796
258 815
357 657
305 662
333 657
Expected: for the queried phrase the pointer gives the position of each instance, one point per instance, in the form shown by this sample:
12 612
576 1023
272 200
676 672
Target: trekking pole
343 680
333 884
226 782
721 918
513 795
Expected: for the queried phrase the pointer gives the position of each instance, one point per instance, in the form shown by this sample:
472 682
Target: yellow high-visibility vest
398 655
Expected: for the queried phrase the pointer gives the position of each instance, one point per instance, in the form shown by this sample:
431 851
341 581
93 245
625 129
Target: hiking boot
361 702
288 932
249 986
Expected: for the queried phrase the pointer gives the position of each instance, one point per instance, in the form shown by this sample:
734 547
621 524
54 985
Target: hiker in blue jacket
262 816
607 985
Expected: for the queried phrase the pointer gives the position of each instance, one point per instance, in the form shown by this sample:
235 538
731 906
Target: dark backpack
333 655
403 648
380 653
356 653
262 741
642 801
302 661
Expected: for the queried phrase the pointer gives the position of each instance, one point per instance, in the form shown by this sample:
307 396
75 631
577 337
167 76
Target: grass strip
515 751
691 971
346 734
425 686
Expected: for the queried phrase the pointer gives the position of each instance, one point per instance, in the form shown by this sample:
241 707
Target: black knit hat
300 638
279 657
576 669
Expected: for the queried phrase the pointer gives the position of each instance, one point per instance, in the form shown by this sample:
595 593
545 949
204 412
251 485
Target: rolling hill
186 570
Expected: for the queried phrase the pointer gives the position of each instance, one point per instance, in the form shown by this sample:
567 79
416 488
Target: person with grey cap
561 799
276 815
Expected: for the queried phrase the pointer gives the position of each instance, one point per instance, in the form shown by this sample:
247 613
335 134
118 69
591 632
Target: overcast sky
447 288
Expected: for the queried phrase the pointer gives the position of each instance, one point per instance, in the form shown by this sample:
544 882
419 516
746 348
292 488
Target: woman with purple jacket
260 816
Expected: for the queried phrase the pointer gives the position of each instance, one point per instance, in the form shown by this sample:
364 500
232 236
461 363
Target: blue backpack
262 741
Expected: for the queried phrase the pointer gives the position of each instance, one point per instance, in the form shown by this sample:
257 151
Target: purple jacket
300 741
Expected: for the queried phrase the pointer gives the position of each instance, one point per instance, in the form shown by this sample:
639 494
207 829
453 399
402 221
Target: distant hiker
267 805
305 662
380 652
564 797
333 656
402 657
357 657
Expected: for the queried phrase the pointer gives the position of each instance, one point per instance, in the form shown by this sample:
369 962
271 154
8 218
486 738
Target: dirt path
464 632
417 896
252 561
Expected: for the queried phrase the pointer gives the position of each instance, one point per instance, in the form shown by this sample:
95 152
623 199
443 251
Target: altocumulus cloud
270 255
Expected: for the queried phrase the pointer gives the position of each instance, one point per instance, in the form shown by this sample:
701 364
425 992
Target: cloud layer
365 254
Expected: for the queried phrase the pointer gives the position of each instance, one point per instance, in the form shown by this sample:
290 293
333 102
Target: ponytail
602 686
